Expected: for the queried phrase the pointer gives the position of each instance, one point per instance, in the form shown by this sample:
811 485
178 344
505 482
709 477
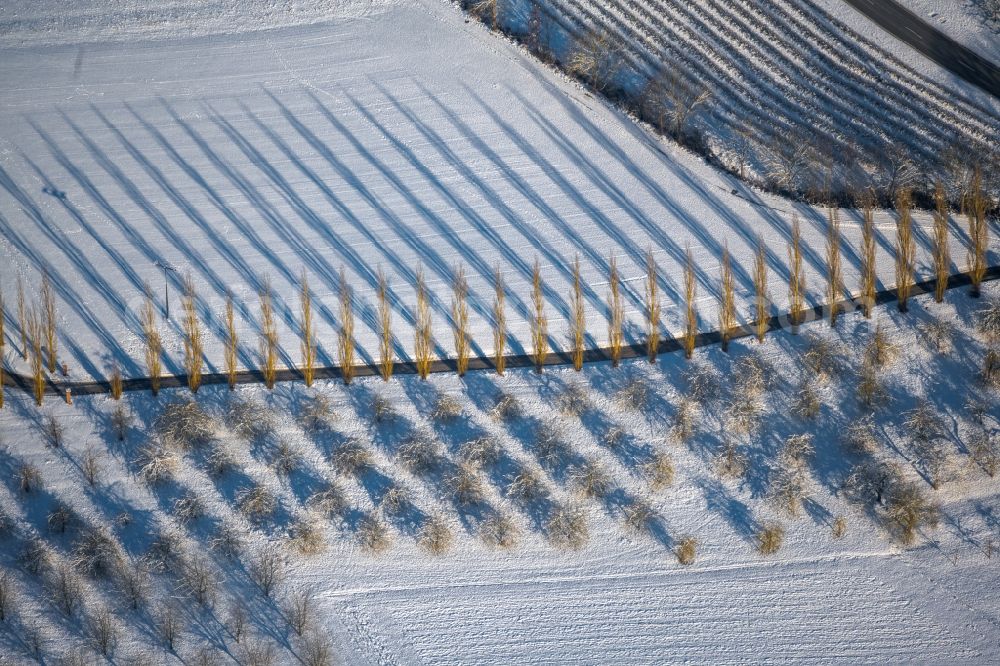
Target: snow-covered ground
963 21
404 140
622 597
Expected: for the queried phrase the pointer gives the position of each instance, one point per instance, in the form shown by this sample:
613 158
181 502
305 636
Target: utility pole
166 285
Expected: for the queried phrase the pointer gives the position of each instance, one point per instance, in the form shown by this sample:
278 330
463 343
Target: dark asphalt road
934 44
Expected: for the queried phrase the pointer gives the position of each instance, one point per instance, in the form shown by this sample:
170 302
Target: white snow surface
405 141
963 21
622 598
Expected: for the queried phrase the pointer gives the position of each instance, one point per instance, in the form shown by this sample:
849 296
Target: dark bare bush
199 580
567 528
465 486
29 479
187 424
316 651
880 352
770 538
8 596
871 390
103 630
685 420
383 410
797 451
527 485
352 458
227 541
170 625
634 396
702 381
157 464
787 491
752 375
64 588
934 459
839 528
822 358
446 409
204 656
188 508
499 531
574 400
506 408
420 453
550 449
256 502
220 460
306 536
121 420
168 551
807 404
258 652
36 557
54 431
436 536
990 373
373 535
862 437
299 609
687 550
907 511
317 413
924 423
639 516
984 450
978 409
286 459
988 322
329 502
61 518
870 482
481 452
395 500
90 466
614 437
267 568
731 463
591 480
659 471
937 334
97 553
744 414
249 419
134 583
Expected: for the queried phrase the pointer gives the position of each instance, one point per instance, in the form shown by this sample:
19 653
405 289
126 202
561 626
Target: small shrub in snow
53 431
8 596
527 485
862 437
465 486
797 451
90 466
978 410
373 535
506 408
102 626
383 410
752 375
236 621
984 449
934 459
991 368
187 424
446 409
299 609
167 551
97 553
199 580
937 334
316 651
258 652
256 502
330 501
659 471
744 415
923 422
787 492
574 400
685 420
839 528
317 413
170 625
249 419
687 550
64 588
267 568
702 382
227 541
770 538
639 515
188 508
634 396
871 390
435 536
807 403
731 463
591 480
614 437
35 557
134 583
60 518
395 500
29 479
157 464
480 452
550 449
499 531
988 321
908 510
880 352
286 459
121 421
567 528
220 460
352 458
822 358
306 536
420 453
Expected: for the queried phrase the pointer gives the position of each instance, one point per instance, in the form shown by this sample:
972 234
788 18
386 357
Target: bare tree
762 300
905 250
232 342
345 336
299 609
460 320
691 312
36 360
385 328
834 277
979 231
499 322
539 321
595 59
653 307
22 318
170 623
727 299
868 268
616 314
267 569
154 344
104 630
306 332
268 336
797 278
8 596
673 101
579 323
942 253
49 319
422 332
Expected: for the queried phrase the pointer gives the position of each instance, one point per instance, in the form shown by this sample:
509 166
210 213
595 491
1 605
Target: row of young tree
37 324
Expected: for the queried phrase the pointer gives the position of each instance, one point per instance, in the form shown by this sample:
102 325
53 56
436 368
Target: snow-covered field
963 21
621 597
404 140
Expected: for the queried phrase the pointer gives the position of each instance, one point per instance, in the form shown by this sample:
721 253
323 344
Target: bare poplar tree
834 275
867 295
905 249
22 318
690 293
942 254
154 344
975 211
539 322
3 317
499 322
616 314
385 328
760 290
308 335
579 323
49 314
727 299
345 338
34 326
460 320
653 307
193 351
268 336
797 279
232 342
116 382
422 332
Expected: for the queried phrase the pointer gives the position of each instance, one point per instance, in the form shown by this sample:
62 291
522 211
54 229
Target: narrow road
942 49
